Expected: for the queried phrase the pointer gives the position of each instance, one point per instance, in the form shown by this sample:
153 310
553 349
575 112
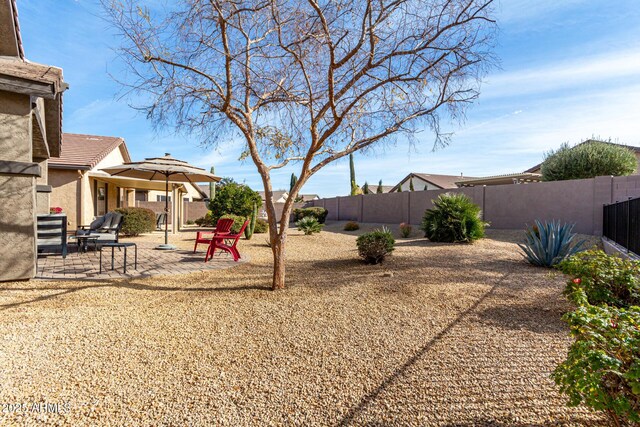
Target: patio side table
82 241
113 246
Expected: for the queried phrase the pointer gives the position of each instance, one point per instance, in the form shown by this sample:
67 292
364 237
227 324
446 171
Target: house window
162 198
142 195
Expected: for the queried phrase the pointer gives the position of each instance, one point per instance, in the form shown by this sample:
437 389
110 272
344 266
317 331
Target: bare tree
307 81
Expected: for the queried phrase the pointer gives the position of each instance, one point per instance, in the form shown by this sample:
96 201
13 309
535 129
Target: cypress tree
380 190
365 188
411 185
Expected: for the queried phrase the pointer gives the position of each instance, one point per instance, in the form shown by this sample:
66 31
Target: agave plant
549 243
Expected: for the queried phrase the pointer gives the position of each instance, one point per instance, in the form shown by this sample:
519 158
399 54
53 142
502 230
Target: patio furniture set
104 231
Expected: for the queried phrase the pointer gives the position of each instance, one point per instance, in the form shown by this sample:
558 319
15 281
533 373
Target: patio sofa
106 227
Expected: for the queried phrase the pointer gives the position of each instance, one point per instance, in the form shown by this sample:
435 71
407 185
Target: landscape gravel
439 334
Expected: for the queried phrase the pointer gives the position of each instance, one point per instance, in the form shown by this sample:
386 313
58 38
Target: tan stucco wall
64 193
18 196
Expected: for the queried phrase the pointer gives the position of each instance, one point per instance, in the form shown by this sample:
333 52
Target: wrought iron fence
621 223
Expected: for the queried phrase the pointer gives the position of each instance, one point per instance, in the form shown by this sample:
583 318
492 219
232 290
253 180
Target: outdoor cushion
96 223
108 220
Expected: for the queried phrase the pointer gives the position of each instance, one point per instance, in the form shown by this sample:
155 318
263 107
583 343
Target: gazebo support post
166 245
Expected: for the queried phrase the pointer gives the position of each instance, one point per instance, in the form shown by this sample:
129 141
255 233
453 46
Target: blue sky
569 70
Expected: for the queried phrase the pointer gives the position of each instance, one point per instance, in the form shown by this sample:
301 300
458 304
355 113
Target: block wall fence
503 206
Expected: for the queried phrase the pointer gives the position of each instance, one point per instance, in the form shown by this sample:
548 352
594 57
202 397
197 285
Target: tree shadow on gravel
518 317
122 284
351 416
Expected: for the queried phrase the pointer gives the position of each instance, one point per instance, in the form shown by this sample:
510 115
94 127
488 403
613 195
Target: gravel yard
450 335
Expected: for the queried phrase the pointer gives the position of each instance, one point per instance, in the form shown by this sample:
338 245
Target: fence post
628 225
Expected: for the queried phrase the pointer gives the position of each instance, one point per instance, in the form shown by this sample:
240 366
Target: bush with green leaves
233 199
317 212
206 220
238 221
602 370
405 229
309 225
588 160
374 246
136 221
262 226
548 243
598 278
453 218
351 226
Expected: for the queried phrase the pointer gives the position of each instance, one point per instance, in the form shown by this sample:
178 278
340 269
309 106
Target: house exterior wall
18 195
64 193
504 206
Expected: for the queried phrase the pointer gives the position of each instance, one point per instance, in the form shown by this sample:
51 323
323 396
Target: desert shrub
602 369
598 278
318 212
206 220
238 221
588 160
454 218
262 226
190 222
374 246
547 244
136 221
233 199
351 226
405 229
309 225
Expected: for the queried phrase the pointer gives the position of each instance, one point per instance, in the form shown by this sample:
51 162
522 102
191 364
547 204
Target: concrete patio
151 262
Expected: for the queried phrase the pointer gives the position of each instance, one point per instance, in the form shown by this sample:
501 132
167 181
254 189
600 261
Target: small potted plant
55 211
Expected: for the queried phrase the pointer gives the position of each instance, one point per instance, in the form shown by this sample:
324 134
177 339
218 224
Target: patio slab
151 262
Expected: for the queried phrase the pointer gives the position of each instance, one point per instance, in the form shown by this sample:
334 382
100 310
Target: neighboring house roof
277 195
307 197
440 181
10 38
373 188
511 178
86 151
538 167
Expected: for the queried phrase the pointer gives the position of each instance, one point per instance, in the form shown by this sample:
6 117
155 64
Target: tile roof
86 151
442 181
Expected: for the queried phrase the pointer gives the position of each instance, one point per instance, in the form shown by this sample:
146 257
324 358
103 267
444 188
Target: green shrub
234 199
309 225
405 229
136 221
602 370
454 218
319 213
206 220
190 222
238 221
598 278
547 244
351 226
588 160
262 226
374 246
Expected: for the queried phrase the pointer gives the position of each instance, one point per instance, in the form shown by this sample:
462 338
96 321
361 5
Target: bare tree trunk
277 248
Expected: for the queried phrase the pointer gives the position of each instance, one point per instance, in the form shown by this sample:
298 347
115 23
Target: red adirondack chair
223 226
227 243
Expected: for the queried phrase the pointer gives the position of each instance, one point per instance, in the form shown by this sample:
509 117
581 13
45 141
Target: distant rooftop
86 151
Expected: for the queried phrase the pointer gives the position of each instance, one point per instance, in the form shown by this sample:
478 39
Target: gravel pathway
448 335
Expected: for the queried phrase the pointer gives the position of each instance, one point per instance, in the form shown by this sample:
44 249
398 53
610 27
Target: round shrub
351 226
588 160
317 212
234 199
454 218
309 225
136 221
238 221
262 226
374 246
405 229
205 221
